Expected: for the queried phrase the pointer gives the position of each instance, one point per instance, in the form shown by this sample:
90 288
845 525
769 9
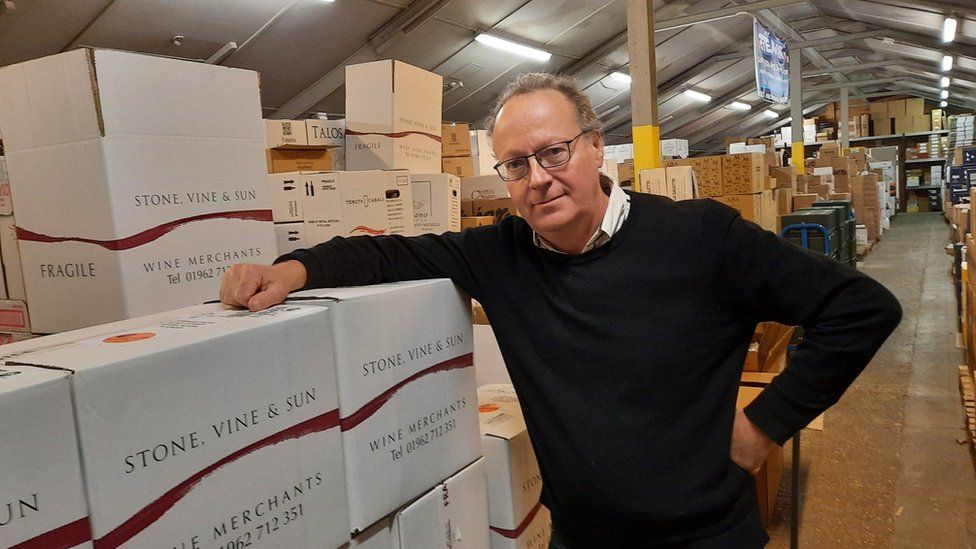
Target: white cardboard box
436 203
674 147
534 534
13 273
234 395
41 489
330 133
393 117
514 481
483 187
452 515
165 160
482 153
489 365
290 237
287 190
363 203
407 394
285 133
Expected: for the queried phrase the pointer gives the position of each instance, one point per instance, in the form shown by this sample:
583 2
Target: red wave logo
368 230
69 535
351 421
518 531
148 235
156 509
396 135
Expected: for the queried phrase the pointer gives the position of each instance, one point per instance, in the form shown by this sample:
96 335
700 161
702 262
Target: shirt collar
618 207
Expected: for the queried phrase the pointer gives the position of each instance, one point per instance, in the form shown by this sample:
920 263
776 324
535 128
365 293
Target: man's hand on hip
750 445
258 287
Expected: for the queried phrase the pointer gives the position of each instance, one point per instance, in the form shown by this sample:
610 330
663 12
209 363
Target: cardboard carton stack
456 151
339 435
741 181
867 193
167 182
516 516
675 182
903 116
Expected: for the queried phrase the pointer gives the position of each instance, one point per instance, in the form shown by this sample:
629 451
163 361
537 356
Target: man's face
550 200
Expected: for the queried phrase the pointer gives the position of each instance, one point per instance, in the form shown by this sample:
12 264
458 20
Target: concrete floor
889 469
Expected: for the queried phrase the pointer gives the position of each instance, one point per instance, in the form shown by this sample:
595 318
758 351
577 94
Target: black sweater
627 358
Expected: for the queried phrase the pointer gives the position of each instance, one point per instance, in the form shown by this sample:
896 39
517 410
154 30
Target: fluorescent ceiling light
740 106
943 104
944 83
512 47
946 63
944 94
621 77
698 96
771 113
949 29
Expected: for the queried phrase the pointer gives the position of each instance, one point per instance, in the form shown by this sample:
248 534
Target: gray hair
537 81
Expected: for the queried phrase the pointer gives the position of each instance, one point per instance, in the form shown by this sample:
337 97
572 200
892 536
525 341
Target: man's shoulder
696 211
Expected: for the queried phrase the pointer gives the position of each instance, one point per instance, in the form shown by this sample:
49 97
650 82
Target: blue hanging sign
772 65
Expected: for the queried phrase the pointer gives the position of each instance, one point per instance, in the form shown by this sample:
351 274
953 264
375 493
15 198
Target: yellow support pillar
643 87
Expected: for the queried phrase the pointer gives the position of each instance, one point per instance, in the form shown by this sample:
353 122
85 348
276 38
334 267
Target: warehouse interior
892 464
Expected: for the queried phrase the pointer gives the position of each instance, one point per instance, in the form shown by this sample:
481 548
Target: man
624 320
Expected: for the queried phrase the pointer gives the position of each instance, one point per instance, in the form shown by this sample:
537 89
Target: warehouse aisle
888 471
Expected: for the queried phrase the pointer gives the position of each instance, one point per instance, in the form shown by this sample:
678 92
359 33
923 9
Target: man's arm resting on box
359 261
846 317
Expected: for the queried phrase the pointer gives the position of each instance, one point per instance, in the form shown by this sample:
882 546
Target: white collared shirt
617 209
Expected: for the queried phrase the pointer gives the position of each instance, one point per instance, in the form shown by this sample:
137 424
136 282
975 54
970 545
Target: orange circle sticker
129 338
486 408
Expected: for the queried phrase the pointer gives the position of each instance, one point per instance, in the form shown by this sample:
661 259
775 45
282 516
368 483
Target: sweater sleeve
363 260
846 316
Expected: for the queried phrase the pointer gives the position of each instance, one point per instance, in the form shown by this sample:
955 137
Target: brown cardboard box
784 201
708 173
881 125
820 190
743 173
838 196
769 216
972 222
896 109
914 107
749 205
903 124
770 183
461 166
455 139
804 200
922 123
769 142
499 208
841 184
785 176
860 161
468 222
298 160
625 173
824 162
773 158
879 109
842 166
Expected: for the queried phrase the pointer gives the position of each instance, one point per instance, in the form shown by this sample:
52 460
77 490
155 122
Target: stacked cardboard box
456 156
485 201
162 199
393 117
515 514
482 154
363 430
288 147
866 192
675 182
14 320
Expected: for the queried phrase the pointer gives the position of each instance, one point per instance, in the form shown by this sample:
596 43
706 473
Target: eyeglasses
550 156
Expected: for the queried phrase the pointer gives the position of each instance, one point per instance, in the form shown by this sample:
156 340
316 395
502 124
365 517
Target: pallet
968 390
